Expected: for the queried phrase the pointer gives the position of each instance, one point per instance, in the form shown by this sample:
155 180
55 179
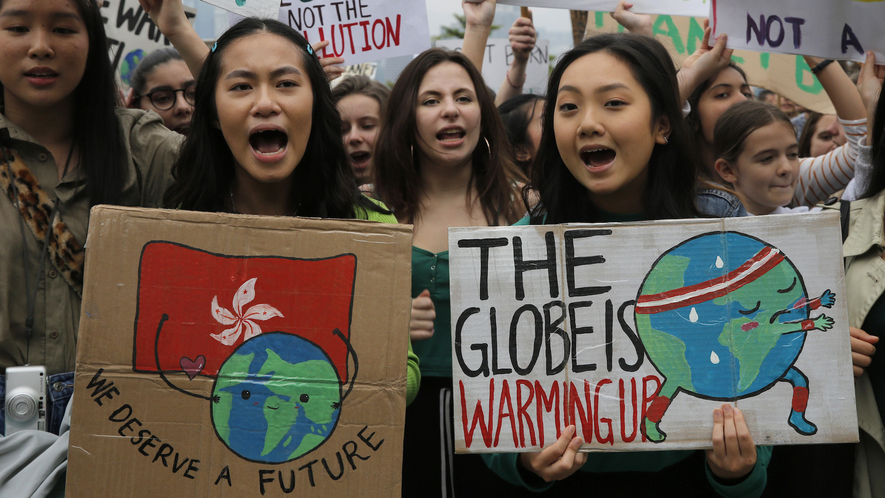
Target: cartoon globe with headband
724 316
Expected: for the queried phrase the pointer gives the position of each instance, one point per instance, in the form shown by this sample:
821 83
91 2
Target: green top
431 271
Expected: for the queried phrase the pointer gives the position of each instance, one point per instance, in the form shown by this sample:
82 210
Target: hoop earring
666 141
488 147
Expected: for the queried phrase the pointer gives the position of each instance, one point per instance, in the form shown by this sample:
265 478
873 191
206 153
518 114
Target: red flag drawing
216 302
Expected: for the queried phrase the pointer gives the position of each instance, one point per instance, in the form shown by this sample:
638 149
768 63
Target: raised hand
522 37
640 24
331 65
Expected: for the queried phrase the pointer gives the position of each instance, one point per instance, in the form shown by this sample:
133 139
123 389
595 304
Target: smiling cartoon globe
276 398
724 316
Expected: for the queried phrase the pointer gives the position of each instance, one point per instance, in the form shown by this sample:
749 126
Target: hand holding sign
331 65
704 63
869 84
522 37
169 16
640 24
423 315
862 349
559 460
479 12
733 455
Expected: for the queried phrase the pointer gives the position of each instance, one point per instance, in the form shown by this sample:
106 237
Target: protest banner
635 333
788 75
131 34
267 9
694 8
497 61
240 355
360 30
833 29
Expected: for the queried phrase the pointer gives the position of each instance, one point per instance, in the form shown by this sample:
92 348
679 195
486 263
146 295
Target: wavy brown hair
397 170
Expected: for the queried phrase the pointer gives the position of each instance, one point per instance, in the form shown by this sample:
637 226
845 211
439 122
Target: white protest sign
693 8
131 34
835 29
360 30
635 333
267 9
497 61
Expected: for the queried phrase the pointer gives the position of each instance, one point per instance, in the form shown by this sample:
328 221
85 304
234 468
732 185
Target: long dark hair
98 134
323 184
517 114
397 174
877 154
808 132
694 118
738 122
672 168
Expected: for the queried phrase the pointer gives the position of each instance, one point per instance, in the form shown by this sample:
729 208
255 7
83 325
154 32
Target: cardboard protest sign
240 354
635 333
834 29
788 75
497 61
673 7
360 30
131 34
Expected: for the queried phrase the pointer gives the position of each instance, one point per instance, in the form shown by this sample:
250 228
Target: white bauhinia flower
242 322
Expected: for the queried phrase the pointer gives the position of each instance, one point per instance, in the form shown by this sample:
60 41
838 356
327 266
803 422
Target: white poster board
635 333
692 8
834 29
267 9
360 30
131 34
497 61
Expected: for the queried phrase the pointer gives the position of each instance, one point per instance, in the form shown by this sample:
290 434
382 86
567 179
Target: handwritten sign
131 34
635 333
788 75
693 8
268 9
497 61
835 29
360 30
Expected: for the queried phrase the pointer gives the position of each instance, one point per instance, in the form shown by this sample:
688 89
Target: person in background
523 118
866 308
67 147
360 102
162 83
822 133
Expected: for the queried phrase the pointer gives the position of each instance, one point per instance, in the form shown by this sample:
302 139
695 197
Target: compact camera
25 399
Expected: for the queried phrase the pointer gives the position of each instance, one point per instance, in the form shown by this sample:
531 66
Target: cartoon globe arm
803 309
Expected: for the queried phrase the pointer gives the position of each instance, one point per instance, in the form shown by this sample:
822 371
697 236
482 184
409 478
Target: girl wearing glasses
163 84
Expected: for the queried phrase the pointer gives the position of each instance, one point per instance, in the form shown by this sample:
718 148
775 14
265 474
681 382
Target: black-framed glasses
164 99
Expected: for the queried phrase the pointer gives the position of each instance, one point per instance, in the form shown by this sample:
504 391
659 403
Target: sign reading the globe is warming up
230 354
635 333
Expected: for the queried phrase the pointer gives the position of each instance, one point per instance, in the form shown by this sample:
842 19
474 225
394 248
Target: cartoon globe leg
797 418
656 411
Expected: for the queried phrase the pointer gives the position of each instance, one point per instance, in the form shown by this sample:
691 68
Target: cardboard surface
832 29
593 324
788 75
230 355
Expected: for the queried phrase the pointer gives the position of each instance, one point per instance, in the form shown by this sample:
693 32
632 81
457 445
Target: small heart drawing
192 367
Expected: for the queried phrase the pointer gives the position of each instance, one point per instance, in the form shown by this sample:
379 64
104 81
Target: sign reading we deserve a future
835 29
635 333
360 30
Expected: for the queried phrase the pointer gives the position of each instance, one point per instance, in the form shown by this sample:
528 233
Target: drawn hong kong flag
215 302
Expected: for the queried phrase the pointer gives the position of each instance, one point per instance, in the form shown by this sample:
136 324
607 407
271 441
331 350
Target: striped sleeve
822 176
